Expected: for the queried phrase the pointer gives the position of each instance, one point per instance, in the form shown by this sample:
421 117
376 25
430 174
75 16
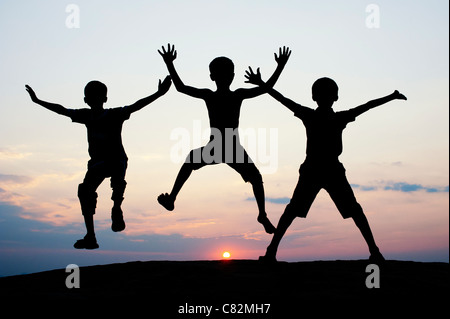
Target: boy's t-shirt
324 129
104 132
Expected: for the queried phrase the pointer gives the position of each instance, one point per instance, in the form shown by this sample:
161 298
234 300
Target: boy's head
325 92
222 71
95 94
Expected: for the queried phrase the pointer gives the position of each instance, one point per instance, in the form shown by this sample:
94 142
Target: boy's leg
88 200
250 173
362 223
193 162
304 194
118 185
283 224
345 200
258 191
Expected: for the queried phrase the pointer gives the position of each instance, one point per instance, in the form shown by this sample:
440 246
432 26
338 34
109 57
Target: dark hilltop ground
234 288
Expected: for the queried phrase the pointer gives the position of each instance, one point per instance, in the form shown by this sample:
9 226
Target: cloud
6 154
402 187
274 200
364 188
17 179
407 188
399 187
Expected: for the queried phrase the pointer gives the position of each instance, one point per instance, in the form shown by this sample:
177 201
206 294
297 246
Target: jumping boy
321 168
223 107
107 155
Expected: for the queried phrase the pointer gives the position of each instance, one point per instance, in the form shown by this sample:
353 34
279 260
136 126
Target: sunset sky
396 156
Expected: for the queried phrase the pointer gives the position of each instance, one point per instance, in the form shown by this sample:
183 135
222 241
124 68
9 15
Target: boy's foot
118 224
268 259
166 201
268 227
88 242
376 258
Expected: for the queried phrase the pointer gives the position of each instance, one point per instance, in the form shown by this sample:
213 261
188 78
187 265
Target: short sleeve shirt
104 132
324 131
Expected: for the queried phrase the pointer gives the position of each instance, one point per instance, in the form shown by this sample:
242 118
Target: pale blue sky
43 156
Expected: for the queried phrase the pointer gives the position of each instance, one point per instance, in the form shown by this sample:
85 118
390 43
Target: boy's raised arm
282 58
377 102
255 78
163 87
57 108
169 56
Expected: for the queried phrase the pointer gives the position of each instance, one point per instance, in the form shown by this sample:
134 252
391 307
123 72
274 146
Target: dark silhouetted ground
161 289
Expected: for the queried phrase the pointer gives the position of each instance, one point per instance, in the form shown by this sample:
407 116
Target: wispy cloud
274 200
6 154
364 188
402 187
407 188
17 179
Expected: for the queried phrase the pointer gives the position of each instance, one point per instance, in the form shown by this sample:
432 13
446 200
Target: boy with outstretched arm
107 154
322 168
223 107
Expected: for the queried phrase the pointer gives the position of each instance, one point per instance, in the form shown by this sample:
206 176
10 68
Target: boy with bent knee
223 107
107 154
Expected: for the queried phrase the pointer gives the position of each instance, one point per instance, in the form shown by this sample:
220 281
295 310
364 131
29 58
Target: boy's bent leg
250 173
258 191
190 164
88 200
118 185
168 200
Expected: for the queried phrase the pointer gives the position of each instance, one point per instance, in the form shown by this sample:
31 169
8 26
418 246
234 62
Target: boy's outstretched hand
283 55
164 86
253 78
31 92
398 96
169 55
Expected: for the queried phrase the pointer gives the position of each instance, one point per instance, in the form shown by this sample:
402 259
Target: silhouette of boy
223 107
321 168
107 155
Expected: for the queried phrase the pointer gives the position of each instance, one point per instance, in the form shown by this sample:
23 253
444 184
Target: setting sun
226 255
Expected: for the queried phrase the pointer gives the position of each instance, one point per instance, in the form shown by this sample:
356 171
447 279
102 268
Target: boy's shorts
329 176
99 170
238 159
95 175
